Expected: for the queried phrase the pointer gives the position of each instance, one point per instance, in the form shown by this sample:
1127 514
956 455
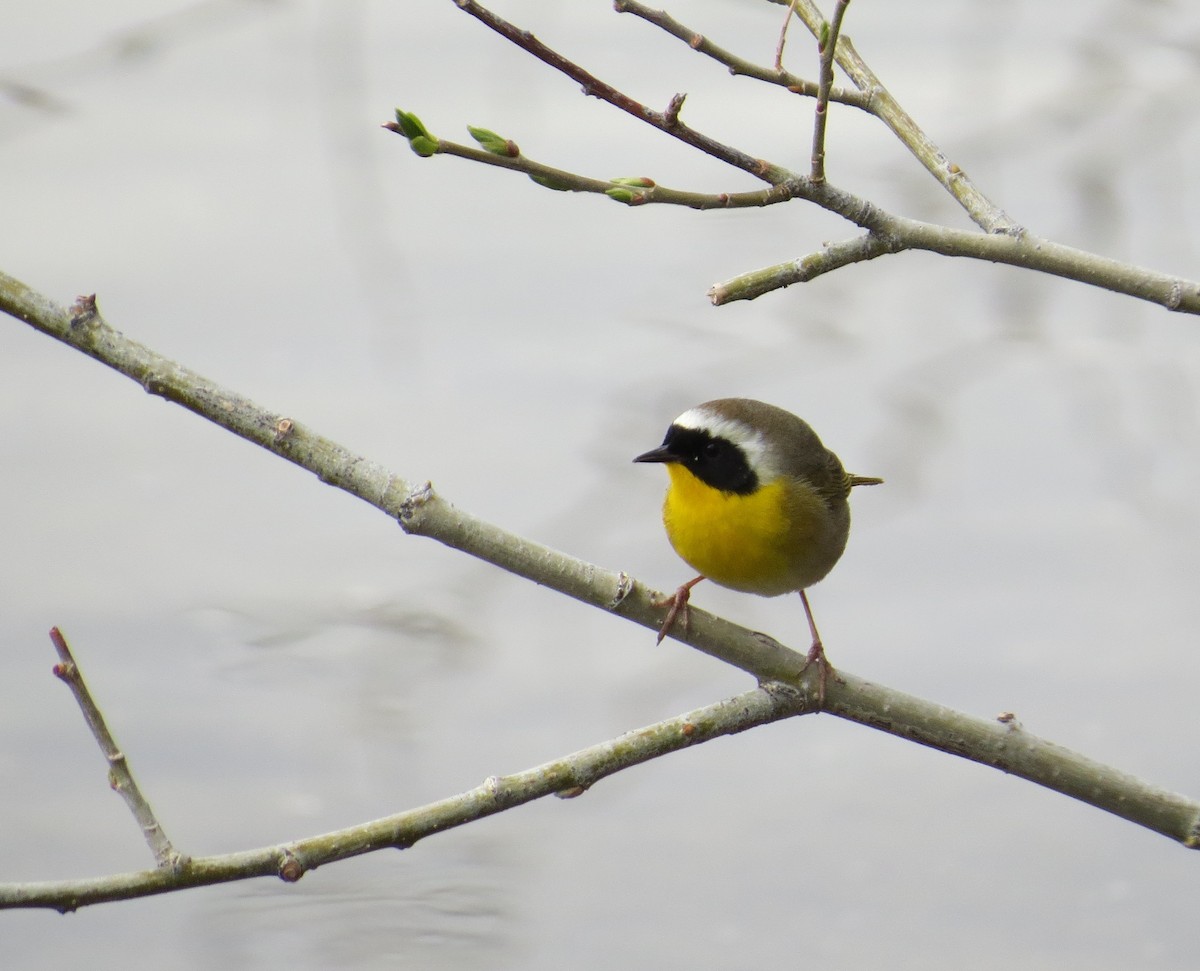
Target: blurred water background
279 660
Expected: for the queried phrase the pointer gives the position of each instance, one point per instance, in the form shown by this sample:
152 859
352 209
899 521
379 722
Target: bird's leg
816 653
679 604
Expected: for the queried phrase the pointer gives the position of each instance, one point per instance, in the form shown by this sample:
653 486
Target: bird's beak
660 454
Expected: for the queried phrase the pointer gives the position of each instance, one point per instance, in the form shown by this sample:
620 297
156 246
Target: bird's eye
711 450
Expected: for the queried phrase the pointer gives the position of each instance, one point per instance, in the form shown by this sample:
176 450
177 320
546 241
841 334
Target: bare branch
826 45
830 257
414 506
737 65
596 88
888 233
895 234
421 512
782 43
120 776
872 96
568 776
983 212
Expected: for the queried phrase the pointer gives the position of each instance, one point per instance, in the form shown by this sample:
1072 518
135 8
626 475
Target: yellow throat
779 538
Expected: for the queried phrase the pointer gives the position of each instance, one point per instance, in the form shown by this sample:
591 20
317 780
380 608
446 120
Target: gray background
280 660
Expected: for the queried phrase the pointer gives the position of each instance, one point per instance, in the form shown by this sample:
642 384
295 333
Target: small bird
755 503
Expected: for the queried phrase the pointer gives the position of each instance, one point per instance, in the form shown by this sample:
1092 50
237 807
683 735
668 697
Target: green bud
640 182
423 146
410 125
419 139
621 194
490 142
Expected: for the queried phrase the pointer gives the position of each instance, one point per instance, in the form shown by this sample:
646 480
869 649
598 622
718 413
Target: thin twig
872 96
596 88
895 234
633 192
787 19
826 46
983 212
568 776
120 776
738 65
831 256
887 233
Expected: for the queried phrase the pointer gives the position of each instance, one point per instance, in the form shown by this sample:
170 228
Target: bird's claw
678 602
816 655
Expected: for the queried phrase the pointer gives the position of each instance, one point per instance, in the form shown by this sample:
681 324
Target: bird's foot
816 655
678 602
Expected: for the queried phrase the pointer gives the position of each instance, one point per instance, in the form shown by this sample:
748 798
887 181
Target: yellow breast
780 538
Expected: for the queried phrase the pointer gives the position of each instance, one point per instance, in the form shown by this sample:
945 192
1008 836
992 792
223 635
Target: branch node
671 115
153 383
412 503
625 586
1174 295
83 310
290 868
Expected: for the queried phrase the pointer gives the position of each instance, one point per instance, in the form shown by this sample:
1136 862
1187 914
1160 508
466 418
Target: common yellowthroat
756 503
